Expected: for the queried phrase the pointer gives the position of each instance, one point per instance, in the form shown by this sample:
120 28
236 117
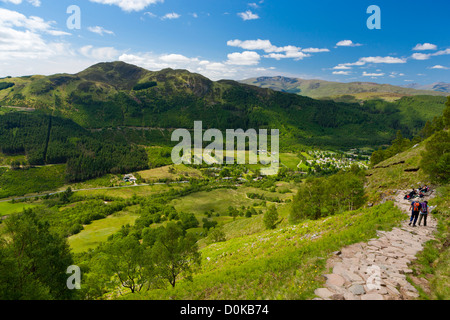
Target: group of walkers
419 210
417 193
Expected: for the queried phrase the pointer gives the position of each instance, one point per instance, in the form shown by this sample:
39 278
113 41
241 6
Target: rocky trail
377 270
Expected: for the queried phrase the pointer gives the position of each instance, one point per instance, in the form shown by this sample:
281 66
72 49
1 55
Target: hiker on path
423 213
415 210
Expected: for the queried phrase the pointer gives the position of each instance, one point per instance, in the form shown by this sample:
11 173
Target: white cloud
426 56
253 5
36 3
346 73
438 66
150 14
347 43
170 16
442 52
365 60
294 54
258 44
273 51
176 58
425 46
26 40
315 50
129 5
100 54
248 15
100 30
395 74
21 37
342 67
246 58
421 56
379 59
14 19
365 74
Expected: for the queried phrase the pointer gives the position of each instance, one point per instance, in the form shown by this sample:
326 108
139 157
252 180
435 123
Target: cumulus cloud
246 58
170 16
421 56
273 51
25 40
100 30
365 60
248 15
347 43
426 56
441 52
36 3
293 54
258 44
14 19
438 66
365 74
425 46
315 50
395 74
21 37
346 73
342 67
129 5
99 54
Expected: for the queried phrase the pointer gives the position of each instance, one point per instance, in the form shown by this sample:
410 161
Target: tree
319 197
446 114
34 260
208 224
125 260
216 235
436 158
175 254
188 220
65 196
271 217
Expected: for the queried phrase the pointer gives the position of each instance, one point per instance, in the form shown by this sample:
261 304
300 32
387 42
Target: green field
172 172
290 160
220 199
99 230
7 208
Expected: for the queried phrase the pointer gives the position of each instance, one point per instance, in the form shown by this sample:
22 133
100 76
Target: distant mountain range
437 86
349 92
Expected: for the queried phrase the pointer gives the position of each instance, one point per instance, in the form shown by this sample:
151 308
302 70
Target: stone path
377 270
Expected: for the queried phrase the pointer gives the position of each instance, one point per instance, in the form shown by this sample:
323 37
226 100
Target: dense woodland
46 139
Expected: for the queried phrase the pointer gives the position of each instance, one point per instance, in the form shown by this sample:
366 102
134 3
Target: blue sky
322 39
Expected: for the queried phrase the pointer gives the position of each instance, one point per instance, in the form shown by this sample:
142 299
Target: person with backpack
423 213
415 210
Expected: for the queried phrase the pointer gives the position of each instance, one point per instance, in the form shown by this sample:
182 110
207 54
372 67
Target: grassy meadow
98 231
285 263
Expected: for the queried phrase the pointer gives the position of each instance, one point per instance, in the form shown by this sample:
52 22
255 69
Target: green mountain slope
109 95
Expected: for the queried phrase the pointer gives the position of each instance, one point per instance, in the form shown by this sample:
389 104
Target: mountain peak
118 73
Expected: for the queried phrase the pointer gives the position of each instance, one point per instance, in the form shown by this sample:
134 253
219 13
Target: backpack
424 207
416 206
